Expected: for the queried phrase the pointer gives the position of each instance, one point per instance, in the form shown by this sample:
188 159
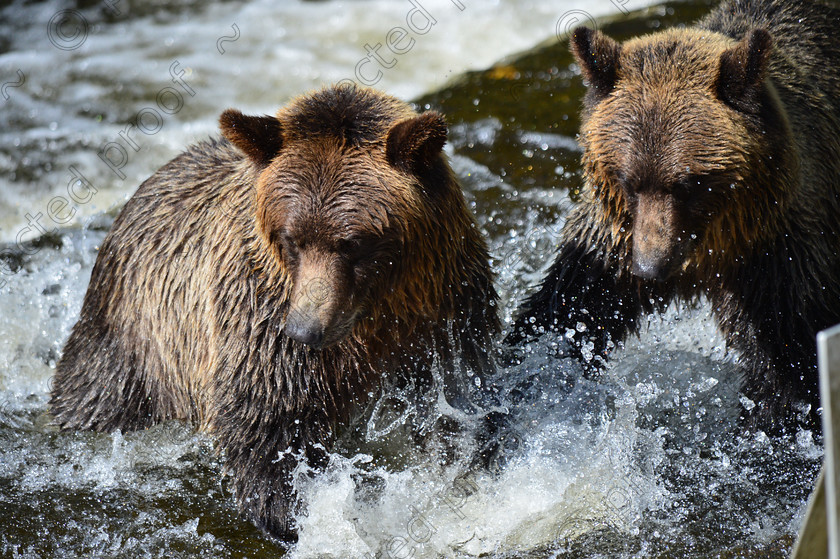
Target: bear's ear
413 144
597 55
742 70
259 137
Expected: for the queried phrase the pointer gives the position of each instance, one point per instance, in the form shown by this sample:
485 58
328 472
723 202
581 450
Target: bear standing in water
711 166
345 252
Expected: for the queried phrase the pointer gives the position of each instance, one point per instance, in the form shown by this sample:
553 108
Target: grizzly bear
345 252
711 166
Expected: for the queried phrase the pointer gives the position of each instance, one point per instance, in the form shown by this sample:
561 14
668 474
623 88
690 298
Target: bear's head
686 146
349 183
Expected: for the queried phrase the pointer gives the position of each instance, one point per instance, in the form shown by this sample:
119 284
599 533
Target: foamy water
646 458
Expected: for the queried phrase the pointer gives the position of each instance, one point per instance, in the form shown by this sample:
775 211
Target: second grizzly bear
711 166
345 252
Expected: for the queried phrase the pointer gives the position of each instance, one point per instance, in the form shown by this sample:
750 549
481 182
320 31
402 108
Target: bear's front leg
769 322
588 289
261 458
103 382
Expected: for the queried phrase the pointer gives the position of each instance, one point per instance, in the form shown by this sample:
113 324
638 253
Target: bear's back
156 279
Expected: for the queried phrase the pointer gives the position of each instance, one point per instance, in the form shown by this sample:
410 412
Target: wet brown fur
666 82
711 166
318 212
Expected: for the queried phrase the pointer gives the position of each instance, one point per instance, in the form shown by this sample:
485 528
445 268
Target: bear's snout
311 312
650 268
319 312
657 246
654 259
305 329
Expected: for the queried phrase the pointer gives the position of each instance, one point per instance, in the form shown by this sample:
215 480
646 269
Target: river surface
646 461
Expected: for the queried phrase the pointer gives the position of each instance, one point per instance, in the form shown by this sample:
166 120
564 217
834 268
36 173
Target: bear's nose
649 268
309 332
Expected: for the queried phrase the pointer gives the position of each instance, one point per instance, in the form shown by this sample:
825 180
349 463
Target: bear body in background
261 286
711 166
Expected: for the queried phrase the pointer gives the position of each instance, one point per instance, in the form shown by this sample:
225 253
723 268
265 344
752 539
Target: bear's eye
626 187
687 186
353 249
288 244
623 183
621 179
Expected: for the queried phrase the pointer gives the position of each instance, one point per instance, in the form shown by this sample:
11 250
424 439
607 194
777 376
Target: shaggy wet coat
711 166
261 286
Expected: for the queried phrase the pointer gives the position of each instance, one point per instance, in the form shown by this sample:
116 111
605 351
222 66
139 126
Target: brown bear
711 166
345 252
